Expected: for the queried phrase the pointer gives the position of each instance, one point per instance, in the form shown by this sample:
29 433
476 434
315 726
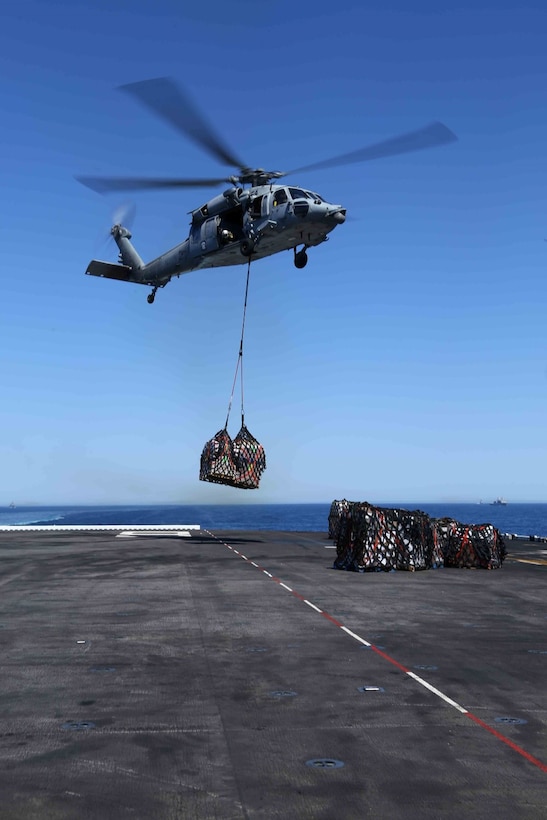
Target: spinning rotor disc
169 102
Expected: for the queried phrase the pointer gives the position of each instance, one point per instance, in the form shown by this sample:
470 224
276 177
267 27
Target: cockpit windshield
298 193
315 196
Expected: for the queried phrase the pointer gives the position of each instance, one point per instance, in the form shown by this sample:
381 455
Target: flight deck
182 673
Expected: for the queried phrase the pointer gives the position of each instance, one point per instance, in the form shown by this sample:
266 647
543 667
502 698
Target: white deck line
153 534
98 527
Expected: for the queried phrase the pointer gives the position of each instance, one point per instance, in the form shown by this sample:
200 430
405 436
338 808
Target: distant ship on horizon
499 502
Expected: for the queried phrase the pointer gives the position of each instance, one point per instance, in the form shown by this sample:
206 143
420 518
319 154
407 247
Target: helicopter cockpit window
280 197
298 193
315 196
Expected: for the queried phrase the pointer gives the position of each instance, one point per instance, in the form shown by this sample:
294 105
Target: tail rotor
123 216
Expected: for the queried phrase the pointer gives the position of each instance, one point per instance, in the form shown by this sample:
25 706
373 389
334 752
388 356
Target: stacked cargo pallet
338 509
374 539
462 545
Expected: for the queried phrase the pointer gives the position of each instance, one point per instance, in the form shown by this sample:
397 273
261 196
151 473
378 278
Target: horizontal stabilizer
108 270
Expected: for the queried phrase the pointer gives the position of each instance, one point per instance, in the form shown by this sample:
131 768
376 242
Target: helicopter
255 217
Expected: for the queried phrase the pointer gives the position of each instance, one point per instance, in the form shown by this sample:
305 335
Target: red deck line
511 744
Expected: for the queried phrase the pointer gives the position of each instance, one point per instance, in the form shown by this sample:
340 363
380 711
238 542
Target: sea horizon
521 518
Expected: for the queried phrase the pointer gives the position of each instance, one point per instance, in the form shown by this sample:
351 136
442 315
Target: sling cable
239 462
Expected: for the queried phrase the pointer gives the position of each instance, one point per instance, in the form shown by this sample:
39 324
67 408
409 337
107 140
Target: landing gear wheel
246 246
151 296
300 259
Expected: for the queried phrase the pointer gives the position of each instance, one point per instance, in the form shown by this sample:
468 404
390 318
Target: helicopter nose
340 216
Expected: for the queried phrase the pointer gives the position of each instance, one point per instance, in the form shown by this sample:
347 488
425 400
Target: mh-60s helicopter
254 218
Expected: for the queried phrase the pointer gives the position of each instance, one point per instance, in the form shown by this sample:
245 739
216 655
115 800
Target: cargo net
375 539
338 509
467 546
238 463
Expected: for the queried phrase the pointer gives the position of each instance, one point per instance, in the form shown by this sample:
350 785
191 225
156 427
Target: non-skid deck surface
236 675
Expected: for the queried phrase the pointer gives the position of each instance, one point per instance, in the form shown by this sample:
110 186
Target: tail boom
130 267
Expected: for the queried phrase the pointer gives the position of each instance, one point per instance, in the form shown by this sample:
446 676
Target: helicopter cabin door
204 237
279 202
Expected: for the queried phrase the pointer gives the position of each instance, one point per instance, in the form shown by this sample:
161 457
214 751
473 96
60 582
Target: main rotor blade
166 99
105 184
428 137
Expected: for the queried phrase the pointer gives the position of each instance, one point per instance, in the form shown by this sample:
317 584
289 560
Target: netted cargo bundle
476 546
338 509
381 539
250 460
437 555
238 463
442 528
218 463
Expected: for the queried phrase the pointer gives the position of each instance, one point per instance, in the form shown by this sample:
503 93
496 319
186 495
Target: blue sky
406 362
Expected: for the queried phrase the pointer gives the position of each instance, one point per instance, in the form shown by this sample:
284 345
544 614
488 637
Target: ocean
521 519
